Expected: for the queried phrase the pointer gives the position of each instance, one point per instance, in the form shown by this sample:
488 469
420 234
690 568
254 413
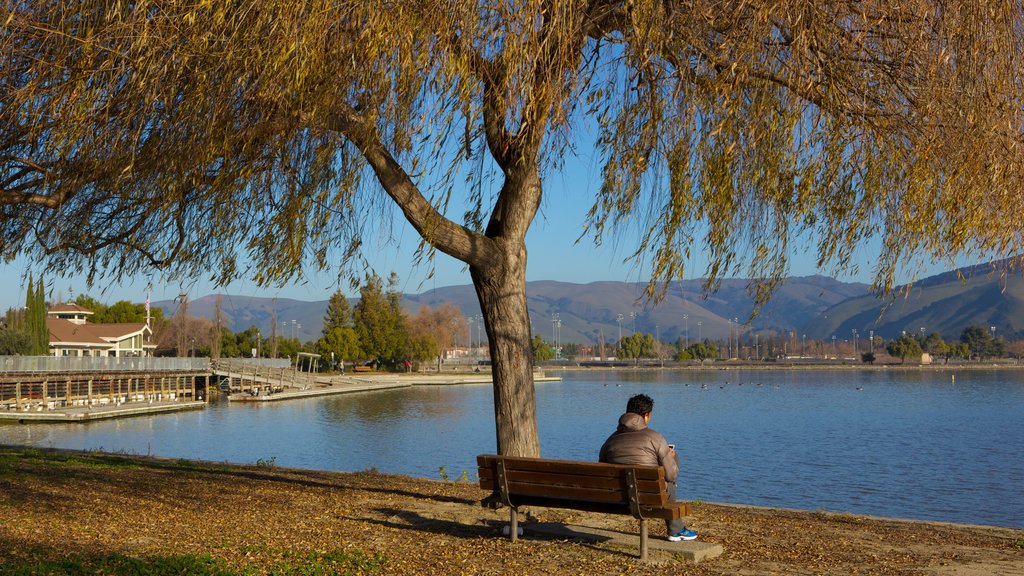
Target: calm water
913 444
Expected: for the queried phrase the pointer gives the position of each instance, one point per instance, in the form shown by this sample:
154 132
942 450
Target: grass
50 562
334 562
116 564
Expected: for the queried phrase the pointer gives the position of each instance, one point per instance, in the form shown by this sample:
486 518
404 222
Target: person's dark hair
640 404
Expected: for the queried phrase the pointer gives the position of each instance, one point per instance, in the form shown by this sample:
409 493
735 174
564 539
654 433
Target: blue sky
553 255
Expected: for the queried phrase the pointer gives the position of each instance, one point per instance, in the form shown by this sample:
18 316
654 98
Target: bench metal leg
643 539
513 520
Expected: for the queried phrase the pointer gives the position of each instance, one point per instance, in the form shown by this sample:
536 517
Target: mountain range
990 295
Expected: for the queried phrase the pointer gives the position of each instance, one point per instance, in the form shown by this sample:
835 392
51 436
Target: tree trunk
501 289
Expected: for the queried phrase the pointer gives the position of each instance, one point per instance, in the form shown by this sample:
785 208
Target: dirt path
79 508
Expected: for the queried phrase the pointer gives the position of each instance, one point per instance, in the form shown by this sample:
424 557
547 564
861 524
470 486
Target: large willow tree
254 137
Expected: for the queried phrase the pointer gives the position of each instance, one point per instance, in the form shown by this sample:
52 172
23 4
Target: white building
72 335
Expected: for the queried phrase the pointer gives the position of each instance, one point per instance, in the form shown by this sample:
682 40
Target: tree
542 352
905 347
14 337
573 349
434 330
14 341
35 319
934 344
636 346
238 137
977 339
378 322
273 330
216 338
338 338
702 350
30 318
120 311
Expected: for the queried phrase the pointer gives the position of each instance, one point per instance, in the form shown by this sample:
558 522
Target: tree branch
440 232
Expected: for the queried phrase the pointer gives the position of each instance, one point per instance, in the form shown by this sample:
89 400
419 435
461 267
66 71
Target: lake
926 444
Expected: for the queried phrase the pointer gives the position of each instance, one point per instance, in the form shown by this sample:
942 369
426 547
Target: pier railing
262 377
101 364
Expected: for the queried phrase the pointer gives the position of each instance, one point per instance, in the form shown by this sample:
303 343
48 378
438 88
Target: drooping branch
452 239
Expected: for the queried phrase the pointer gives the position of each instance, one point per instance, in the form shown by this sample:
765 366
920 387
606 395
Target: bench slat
583 468
594 494
567 479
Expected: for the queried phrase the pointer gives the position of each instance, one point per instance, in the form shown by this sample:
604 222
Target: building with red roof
71 334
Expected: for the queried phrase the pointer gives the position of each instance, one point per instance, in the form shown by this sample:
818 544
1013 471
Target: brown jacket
634 443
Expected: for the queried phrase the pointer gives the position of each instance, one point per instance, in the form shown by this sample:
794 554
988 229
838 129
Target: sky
554 254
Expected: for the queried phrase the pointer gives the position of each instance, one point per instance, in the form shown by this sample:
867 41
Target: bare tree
273 330
443 324
216 333
246 137
181 323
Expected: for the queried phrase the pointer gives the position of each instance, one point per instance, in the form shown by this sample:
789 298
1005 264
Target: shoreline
723 366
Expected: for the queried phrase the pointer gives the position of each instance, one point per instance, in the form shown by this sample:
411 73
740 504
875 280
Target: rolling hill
989 295
818 306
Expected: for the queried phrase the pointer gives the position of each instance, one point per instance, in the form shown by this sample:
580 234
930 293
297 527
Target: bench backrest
597 482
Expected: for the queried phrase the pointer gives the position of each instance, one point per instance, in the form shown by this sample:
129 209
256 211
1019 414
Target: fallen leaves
271 520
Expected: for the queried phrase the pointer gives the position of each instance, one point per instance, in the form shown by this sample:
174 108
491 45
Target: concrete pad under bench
692 551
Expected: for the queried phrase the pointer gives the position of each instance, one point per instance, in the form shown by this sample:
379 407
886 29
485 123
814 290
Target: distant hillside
984 295
588 312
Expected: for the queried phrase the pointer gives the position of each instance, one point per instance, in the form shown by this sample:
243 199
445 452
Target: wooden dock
338 385
47 396
100 411
270 390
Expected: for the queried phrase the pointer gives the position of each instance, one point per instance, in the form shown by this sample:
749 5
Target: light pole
479 324
736 323
700 337
686 320
833 346
558 337
803 344
871 340
632 316
657 342
618 319
855 347
728 338
554 338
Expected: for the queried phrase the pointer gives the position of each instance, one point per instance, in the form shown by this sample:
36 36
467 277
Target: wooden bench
637 491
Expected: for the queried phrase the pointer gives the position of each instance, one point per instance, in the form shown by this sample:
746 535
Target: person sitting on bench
634 443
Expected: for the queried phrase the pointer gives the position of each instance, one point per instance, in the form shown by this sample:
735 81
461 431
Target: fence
101 364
